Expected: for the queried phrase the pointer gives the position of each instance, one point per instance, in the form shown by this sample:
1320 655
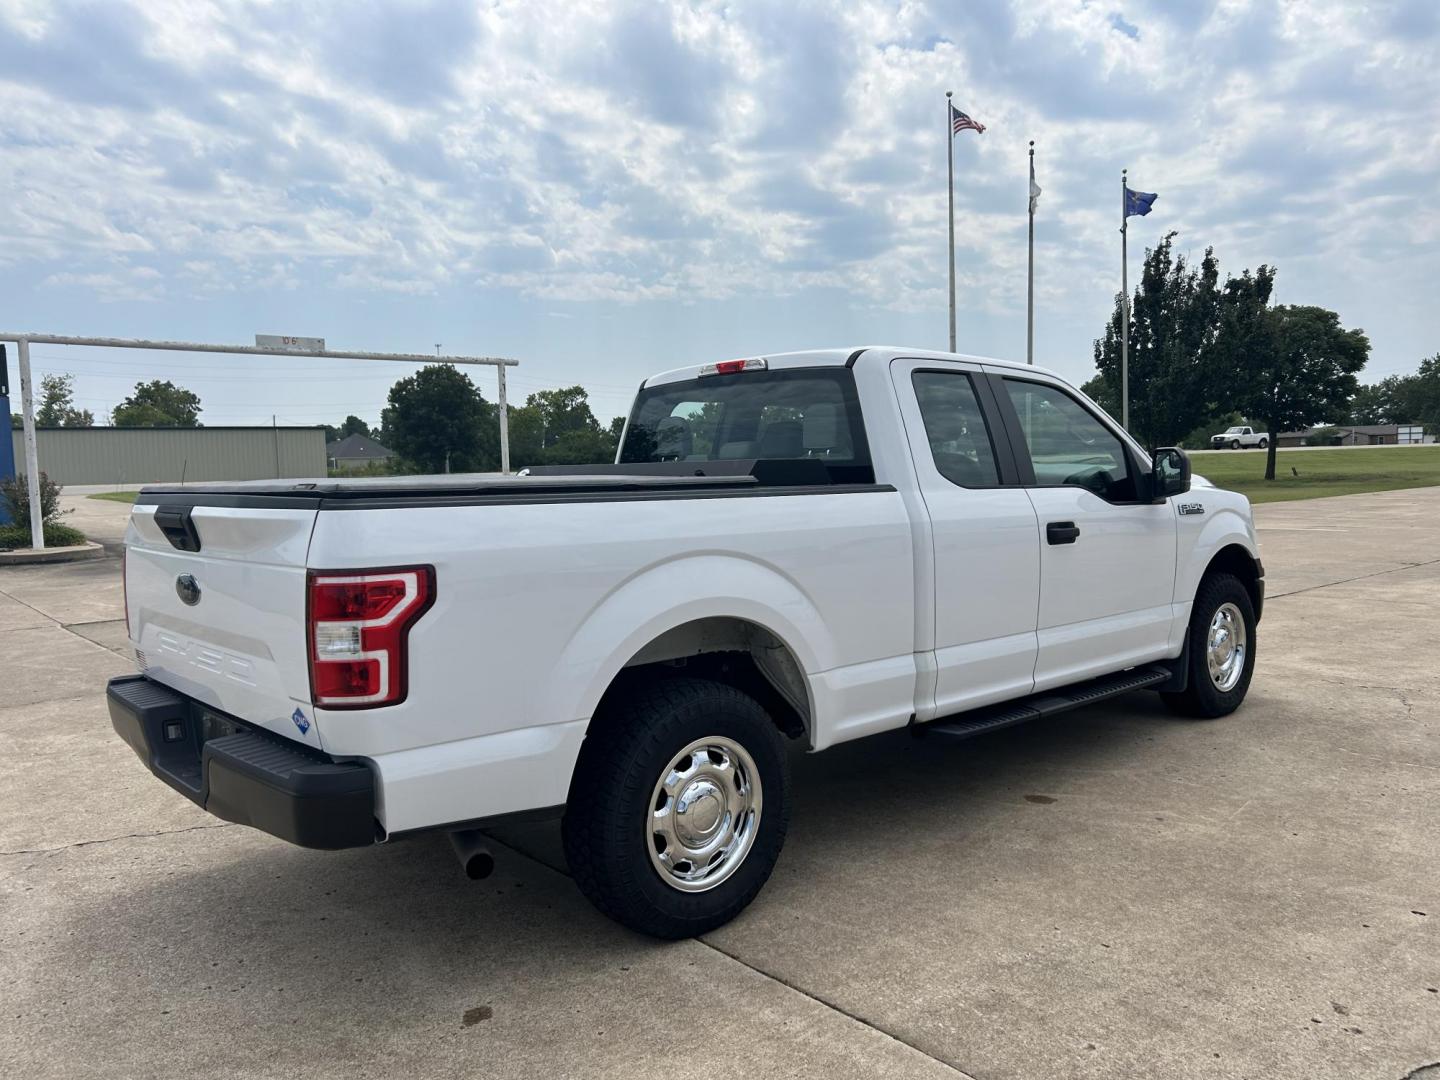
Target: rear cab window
810 414
960 442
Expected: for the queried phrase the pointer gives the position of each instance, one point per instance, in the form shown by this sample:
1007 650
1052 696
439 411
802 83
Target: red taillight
734 367
358 626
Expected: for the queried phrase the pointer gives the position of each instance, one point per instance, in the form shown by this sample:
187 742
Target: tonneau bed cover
541 484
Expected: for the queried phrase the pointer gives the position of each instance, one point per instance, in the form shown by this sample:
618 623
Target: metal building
1358 435
135 456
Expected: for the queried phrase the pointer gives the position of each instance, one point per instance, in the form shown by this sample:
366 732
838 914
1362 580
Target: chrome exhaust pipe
474 855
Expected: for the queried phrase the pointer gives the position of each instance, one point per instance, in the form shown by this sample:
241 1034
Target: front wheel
1234 444
1221 649
678 807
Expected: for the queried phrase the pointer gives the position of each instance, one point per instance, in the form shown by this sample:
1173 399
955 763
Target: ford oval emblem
188 589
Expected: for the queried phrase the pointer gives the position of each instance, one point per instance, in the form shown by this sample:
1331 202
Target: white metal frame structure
27 397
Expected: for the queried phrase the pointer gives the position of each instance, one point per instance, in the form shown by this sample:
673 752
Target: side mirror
1171 474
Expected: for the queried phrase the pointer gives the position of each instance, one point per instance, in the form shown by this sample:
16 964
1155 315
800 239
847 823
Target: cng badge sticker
300 721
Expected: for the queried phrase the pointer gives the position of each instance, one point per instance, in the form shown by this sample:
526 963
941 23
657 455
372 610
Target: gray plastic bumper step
1049 703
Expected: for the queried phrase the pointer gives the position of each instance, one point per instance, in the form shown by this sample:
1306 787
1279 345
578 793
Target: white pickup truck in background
1239 436
804 548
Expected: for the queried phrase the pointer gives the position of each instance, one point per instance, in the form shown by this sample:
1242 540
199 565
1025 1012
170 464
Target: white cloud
638 151
130 283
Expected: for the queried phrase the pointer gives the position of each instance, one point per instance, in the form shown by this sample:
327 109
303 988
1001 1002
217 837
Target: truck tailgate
225 624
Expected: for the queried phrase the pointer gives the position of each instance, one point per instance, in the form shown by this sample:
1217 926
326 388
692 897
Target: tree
1201 353
1419 398
582 448
437 421
1172 330
353 425
1104 393
15 497
526 436
1402 399
1298 367
556 427
1379 403
562 412
158 403
57 404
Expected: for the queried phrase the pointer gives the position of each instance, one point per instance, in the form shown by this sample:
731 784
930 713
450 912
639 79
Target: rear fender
668 595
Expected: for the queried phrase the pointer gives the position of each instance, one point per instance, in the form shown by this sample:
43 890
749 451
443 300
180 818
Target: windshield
1235 431
795 413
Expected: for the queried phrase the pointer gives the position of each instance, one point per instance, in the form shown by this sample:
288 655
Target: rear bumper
243 775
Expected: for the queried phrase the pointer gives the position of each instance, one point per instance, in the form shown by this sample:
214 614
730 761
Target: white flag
1034 187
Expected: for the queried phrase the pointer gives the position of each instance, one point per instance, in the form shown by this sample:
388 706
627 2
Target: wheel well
1234 559
739 653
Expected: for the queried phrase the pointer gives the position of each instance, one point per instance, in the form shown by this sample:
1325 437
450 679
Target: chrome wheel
704 814
1225 647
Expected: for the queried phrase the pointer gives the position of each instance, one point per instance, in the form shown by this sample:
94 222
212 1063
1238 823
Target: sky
606 190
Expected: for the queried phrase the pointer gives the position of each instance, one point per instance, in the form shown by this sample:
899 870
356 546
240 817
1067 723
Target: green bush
16 495
18 536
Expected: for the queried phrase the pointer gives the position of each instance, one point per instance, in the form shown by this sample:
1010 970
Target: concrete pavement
102 520
1116 893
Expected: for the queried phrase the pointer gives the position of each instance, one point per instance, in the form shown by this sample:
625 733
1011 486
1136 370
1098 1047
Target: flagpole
950 187
1030 293
1124 313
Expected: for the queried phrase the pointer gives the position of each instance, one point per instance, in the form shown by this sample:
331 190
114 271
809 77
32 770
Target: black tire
1234 444
1202 698
628 747
1264 443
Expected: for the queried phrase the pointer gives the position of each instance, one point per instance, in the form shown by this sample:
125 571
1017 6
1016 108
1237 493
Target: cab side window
955 427
1068 446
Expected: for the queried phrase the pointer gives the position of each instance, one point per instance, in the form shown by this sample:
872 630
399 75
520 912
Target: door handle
178 528
1062 532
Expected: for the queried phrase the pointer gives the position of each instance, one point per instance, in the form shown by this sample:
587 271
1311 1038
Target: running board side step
1049 703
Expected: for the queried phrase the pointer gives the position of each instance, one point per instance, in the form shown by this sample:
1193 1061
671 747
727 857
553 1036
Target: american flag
960 122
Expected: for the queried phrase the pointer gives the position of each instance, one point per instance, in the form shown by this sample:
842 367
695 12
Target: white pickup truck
1241 435
803 548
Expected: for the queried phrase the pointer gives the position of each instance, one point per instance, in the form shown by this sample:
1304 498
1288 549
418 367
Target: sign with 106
285 341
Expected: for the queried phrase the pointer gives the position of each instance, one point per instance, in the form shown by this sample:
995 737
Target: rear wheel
678 808
1264 443
1221 649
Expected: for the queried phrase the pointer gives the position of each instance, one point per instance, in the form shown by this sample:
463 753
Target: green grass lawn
115 496
1341 471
